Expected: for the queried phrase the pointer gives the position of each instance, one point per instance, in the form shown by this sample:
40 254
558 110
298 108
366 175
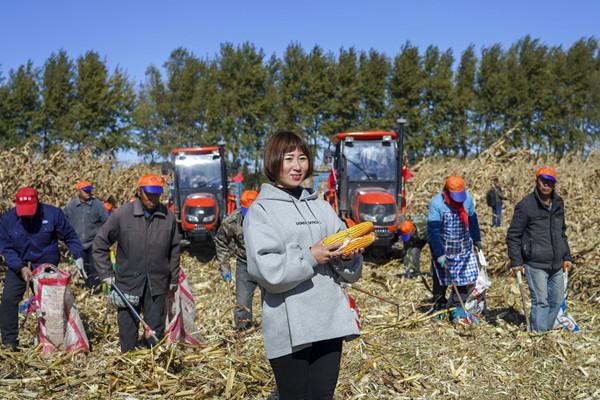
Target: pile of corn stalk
409 357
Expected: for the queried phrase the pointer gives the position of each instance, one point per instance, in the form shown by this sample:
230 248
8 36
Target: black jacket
148 249
536 235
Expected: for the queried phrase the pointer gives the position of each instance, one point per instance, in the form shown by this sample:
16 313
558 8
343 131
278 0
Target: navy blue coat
36 240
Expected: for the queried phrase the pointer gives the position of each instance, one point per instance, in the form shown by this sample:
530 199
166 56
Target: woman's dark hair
278 145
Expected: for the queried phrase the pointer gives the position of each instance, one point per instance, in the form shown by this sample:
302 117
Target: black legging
310 373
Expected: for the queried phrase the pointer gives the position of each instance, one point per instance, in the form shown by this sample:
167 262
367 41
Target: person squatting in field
453 230
230 239
29 233
86 215
537 244
147 259
413 232
305 313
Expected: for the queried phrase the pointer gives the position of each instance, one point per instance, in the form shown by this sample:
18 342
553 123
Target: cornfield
404 356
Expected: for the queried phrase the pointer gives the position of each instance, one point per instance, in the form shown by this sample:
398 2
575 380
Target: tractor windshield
370 160
198 170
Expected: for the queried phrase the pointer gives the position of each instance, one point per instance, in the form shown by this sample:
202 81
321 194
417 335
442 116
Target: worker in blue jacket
453 230
29 234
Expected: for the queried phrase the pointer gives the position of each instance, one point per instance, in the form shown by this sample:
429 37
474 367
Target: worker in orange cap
537 244
231 233
413 232
86 215
453 230
147 259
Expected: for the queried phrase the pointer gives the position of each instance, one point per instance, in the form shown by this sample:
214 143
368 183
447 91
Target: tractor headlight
200 215
378 214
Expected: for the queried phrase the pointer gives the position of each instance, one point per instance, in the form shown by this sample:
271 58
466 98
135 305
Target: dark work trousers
152 311
310 373
244 292
439 290
14 288
92 280
412 261
454 301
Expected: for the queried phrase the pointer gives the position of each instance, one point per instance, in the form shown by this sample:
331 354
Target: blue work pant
496 215
547 290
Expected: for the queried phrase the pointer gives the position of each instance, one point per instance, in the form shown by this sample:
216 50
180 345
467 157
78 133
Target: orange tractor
368 182
200 197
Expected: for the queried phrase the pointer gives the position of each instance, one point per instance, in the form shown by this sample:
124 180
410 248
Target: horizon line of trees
454 107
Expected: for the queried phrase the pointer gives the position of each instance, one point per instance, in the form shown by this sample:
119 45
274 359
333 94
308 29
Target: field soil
401 354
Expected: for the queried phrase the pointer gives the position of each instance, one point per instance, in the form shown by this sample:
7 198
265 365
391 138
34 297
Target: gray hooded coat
301 301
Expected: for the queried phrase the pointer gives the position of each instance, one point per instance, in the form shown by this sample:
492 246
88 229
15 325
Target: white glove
173 286
79 265
109 281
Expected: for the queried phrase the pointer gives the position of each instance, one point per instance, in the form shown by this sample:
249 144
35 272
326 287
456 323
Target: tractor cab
367 181
200 192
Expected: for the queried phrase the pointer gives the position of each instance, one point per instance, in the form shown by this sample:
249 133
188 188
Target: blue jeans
547 291
496 215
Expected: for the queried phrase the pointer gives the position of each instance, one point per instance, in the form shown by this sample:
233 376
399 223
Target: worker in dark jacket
230 239
494 198
147 259
29 235
537 243
86 215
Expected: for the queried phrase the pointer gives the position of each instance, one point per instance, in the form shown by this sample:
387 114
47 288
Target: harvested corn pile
413 357
55 178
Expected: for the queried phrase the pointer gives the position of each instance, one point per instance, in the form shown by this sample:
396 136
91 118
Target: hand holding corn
353 240
324 253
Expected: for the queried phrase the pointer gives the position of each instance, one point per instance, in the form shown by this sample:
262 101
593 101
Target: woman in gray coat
305 313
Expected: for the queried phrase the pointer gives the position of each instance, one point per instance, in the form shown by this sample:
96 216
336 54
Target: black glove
478 246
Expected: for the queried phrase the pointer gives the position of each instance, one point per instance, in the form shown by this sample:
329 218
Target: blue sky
136 34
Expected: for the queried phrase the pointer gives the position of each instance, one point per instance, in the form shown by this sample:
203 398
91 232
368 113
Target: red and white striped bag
60 327
181 315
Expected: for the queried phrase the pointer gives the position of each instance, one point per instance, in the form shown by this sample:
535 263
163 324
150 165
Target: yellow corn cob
351 233
360 242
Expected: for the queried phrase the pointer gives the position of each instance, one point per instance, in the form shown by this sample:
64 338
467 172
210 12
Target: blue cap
459 196
152 189
456 187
